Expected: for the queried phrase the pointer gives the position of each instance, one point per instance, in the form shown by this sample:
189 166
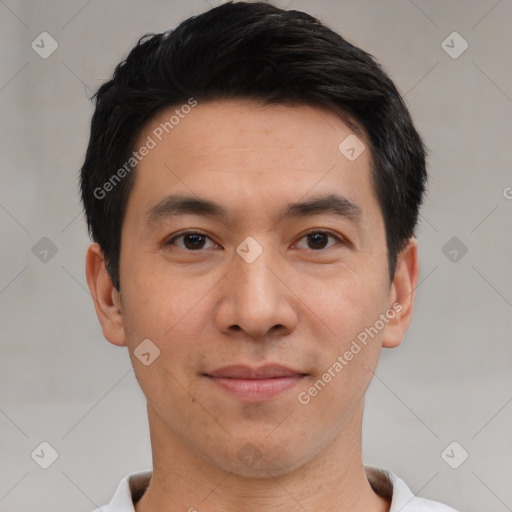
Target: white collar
133 485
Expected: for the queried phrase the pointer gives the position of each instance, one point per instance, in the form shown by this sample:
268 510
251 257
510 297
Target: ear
401 295
107 300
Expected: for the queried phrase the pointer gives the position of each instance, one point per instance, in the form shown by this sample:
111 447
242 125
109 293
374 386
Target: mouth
255 384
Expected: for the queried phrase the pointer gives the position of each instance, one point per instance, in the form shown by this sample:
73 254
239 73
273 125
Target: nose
257 300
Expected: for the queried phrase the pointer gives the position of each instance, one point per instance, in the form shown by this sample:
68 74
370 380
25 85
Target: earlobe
106 298
401 295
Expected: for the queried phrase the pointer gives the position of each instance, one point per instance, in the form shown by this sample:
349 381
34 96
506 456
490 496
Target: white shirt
133 485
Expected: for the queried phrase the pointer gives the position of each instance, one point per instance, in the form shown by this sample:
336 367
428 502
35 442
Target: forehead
251 157
293 131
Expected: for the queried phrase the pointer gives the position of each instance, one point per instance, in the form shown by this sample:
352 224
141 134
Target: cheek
158 302
344 303
335 392
347 339
171 311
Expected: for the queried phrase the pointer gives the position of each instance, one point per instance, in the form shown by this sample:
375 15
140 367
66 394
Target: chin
259 459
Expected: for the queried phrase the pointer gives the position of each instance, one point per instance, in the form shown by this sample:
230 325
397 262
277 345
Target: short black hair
251 50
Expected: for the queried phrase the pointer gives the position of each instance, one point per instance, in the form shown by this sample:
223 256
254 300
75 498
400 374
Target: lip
256 384
241 371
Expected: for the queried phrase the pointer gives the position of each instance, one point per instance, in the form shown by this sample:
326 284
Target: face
258 309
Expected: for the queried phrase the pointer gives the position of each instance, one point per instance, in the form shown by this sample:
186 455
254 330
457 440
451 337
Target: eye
192 240
318 239
195 241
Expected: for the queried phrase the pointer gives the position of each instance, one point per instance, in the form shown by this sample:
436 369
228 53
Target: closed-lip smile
255 384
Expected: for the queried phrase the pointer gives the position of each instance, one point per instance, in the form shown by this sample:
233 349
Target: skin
296 304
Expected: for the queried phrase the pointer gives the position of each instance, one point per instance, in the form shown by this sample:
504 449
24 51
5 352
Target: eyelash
315 231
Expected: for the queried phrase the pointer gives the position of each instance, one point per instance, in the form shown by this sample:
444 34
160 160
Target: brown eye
192 241
317 240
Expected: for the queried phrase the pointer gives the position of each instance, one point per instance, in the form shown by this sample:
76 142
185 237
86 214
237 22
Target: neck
334 480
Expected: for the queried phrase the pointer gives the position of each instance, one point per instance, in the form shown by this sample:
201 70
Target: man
252 185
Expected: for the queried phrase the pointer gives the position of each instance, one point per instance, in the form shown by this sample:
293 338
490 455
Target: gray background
62 383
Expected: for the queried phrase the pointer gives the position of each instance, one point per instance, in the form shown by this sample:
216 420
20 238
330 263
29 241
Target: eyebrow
178 205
